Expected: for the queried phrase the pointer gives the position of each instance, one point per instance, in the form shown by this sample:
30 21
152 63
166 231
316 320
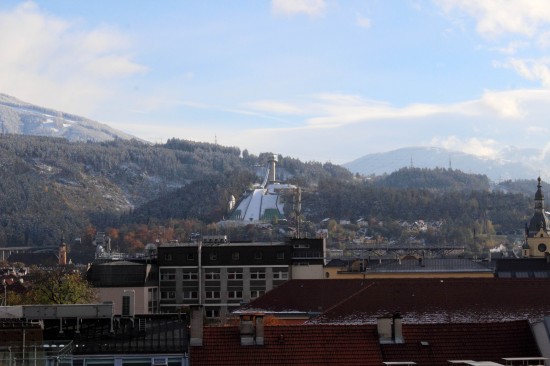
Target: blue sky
323 80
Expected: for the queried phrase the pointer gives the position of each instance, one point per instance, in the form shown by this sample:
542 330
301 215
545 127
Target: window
542 247
257 275
256 293
126 306
235 294
301 246
152 298
213 256
234 275
212 294
280 275
190 256
258 255
189 276
280 255
212 276
168 276
168 257
212 313
167 295
189 294
235 256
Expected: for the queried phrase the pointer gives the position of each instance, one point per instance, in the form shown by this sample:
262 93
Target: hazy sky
323 80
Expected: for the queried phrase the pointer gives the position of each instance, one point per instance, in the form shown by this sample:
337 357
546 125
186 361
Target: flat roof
229 244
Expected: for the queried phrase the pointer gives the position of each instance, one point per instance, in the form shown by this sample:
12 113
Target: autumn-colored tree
59 286
113 233
89 235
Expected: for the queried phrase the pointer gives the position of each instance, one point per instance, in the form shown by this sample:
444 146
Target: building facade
132 286
221 276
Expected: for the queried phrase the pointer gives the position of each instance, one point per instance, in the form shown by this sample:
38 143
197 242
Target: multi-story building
128 284
221 275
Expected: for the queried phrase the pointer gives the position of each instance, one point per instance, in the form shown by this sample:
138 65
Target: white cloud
545 152
512 47
113 66
537 130
480 147
363 21
293 7
507 105
534 69
57 62
277 107
495 18
337 110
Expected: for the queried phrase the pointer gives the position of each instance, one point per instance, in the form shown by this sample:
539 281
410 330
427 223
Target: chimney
397 331
251 329
390 329
246 330
260 330
196 326
384 325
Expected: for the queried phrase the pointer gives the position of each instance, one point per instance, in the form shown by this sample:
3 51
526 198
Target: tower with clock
537 236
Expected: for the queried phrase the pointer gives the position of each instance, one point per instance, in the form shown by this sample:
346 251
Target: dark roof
419 300
306 296
120 274
523 268
523 264
430 265
358 345
337 262
152 333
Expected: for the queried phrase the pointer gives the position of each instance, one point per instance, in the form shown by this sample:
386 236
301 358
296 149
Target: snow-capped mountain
511 163
18 117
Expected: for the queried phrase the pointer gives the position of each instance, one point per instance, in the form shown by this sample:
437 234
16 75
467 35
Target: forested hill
437 179
52 188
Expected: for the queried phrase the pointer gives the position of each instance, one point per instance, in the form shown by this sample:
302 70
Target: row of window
231 275
214 256
190 295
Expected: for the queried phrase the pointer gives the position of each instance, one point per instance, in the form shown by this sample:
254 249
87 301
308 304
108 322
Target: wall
115 294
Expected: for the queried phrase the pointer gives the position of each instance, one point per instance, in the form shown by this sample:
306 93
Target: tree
59 286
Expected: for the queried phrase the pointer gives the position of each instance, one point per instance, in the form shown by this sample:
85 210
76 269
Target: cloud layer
313 79
58 63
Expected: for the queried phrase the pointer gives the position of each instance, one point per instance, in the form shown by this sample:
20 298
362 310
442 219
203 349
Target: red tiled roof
418 300
449 300
358 345
480 342
291 345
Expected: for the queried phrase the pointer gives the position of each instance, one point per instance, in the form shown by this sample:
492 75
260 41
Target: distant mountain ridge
21 118
512 163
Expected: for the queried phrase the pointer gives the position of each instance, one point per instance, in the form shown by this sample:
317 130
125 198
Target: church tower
537 237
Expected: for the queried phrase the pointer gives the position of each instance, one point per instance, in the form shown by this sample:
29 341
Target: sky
318 80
